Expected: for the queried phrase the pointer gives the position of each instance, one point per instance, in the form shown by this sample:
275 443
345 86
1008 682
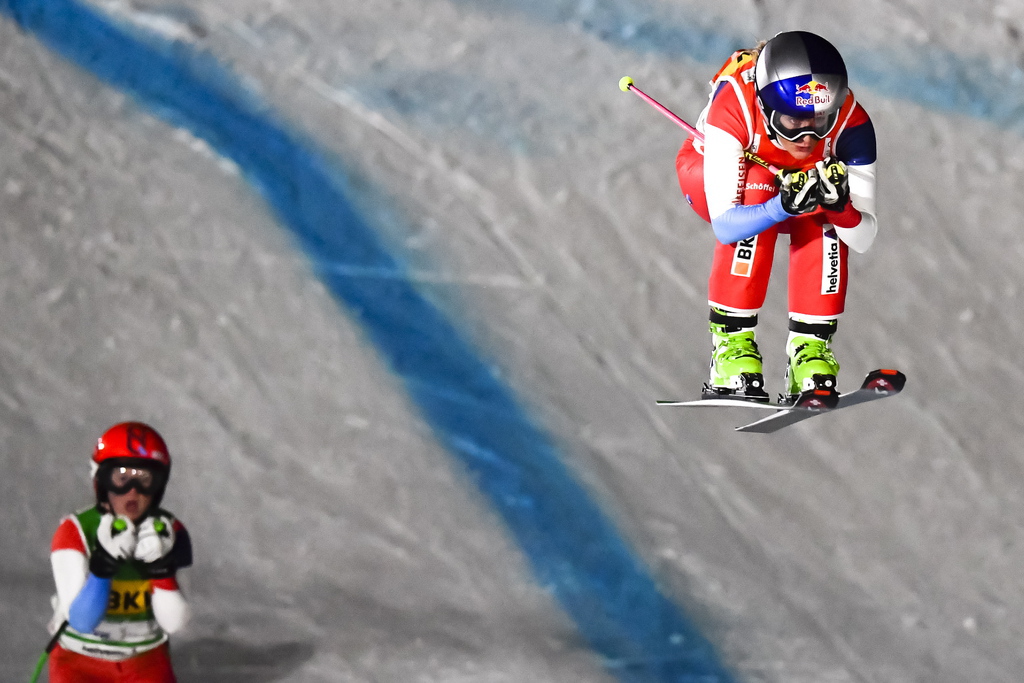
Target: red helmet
134 445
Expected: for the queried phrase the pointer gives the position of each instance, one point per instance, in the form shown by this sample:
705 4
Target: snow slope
535 206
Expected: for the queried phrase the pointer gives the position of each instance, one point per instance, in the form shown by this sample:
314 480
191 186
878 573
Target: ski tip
624 83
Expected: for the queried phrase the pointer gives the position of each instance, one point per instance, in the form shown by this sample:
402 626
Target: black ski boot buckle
751 389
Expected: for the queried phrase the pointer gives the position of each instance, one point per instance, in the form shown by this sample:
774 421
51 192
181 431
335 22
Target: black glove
834 184
163 568
102 564
799 191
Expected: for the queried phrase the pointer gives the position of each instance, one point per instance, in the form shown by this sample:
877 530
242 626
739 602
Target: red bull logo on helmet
813 93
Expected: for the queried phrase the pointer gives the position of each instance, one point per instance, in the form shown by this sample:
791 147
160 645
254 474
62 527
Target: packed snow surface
536 206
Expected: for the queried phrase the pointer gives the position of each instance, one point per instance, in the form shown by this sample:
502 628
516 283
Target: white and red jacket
140 612
732 123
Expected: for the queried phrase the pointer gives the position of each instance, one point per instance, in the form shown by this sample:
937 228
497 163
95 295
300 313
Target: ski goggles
792 128
121 479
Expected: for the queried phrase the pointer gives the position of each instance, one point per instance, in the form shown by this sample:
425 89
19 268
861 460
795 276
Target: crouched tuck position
788 103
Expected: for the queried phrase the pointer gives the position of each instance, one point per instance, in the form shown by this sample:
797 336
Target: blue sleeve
89 606
743 221
856 146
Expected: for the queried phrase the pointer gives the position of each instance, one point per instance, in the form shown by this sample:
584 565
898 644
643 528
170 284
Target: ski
877 384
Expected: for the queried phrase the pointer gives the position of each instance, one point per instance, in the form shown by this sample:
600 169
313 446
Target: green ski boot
735 361
812 365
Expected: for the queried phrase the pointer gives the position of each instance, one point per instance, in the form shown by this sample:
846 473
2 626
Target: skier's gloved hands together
834 183
115 543
156 541
799 191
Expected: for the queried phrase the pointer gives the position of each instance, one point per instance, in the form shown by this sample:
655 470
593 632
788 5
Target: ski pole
626 84
46 653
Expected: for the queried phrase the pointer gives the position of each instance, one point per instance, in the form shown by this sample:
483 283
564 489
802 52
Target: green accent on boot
809 356
735 353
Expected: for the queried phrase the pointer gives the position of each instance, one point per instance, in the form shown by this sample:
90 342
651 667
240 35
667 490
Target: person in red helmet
114 565
788 102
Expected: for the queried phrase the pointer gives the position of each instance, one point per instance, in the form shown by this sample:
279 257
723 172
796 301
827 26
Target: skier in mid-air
786 101
114 564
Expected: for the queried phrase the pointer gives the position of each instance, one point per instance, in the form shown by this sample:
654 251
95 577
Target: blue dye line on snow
573 548
925 75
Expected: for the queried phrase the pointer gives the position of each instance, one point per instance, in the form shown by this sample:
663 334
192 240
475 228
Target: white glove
156 539
116 535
